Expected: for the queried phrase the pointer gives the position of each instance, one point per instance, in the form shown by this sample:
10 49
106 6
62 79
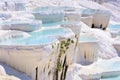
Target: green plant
58 63
61 64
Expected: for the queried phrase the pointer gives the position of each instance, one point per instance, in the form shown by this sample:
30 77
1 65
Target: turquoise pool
53 8
110 65
114 27
52 24
41 37
93 11
58 23
51 32
87 39
50 14
47 32
30 41
27 25
112 78
89 11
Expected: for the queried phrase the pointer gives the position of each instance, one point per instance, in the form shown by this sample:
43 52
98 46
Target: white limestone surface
7 35
5 15
22 24
106 48
110 67
23 58
72 73
101 20
22 14
13 74
87 20
13 5
74 15
116 44
48 14
101 68
26 56
74 26
87 52
2 71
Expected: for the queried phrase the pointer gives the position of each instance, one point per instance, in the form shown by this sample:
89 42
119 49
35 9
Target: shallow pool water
93 11
110 65
89 11
112 78
30 41
47 34
53 8
50 14
40 37
87 39
114 27
53 24
51 32
26 25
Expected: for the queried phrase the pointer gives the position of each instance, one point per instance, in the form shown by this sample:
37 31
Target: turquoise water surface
93 11
51 32
30 41
114 27
110 65
87 39
112 78
58 23
89 11
52 24
41 37
38 9
36 36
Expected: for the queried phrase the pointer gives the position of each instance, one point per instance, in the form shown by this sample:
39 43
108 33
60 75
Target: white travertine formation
21 24
23 15
72 16
114 29
106 49
101 68
101 20
2 71
114 34
73 19
28 58
25 59
8 78
47 18
117 47
12 5
5 15
109 67
87 50
7 35
48 15
19 5
87 20
72 70
116 44
90 73
74 26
